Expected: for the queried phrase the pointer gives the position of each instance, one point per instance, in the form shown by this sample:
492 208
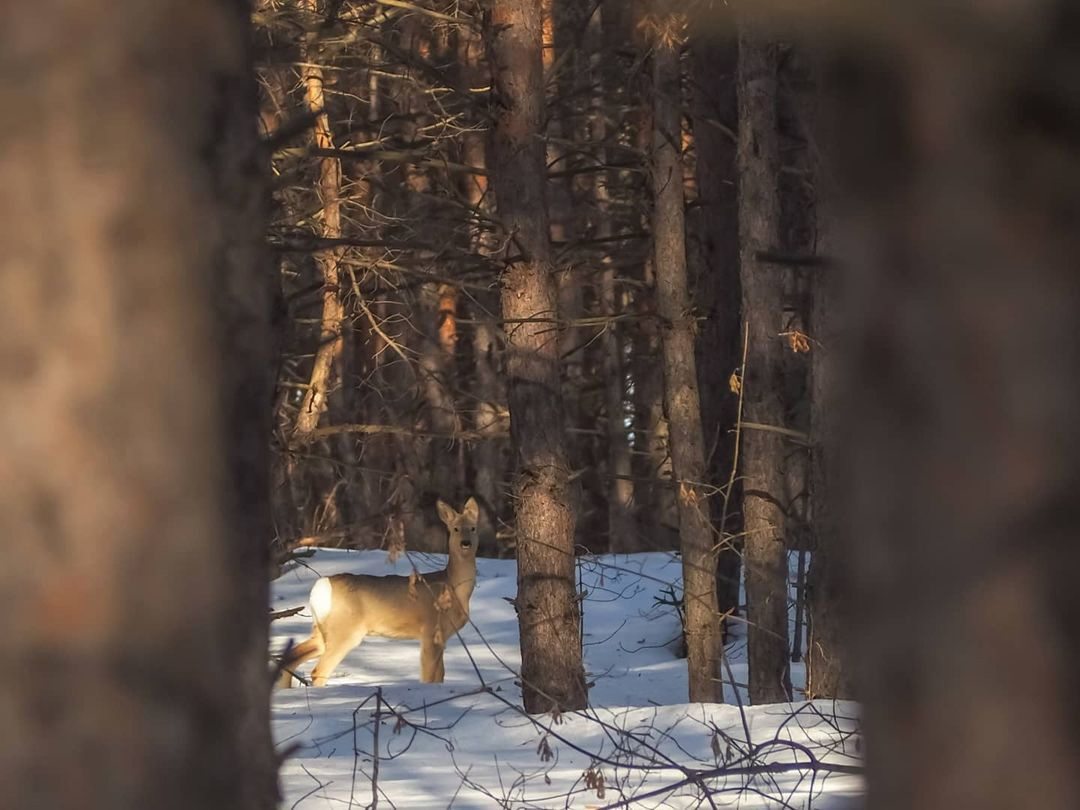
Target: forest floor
465 743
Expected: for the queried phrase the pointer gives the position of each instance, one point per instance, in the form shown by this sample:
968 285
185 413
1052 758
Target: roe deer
430 607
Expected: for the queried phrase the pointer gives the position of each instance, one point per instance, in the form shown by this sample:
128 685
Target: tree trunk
828 671
959 164
135 393
828 660
623 535
681 400
438 315
762 458
328 352
658 512
489 417
547 602
717 291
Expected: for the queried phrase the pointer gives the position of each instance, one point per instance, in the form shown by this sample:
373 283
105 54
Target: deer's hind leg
304 651
338 645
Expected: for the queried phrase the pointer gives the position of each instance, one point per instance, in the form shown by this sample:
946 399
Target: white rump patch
322 597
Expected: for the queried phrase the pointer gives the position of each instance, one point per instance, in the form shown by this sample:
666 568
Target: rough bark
135 392
681 398
717 291
762 455
548 609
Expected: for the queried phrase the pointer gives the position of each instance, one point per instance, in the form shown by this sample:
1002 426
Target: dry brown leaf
668 30
735 383
688 496
798 342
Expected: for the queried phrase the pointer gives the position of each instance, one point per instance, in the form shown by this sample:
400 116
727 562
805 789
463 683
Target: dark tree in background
714 222
828 649
761 461
135 378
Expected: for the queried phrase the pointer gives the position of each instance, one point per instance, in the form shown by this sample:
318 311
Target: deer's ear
471 511
446 512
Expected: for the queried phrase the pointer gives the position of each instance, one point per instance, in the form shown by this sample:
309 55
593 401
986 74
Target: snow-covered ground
465 743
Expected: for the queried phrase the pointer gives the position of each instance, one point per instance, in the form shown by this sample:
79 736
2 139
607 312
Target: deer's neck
461 576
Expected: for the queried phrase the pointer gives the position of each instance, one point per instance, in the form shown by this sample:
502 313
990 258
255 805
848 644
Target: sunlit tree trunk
548 609
681 399
135 393
328 352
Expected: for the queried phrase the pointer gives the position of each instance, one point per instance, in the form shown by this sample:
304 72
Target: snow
465 743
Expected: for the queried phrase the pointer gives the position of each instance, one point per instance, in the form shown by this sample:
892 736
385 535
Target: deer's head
461 527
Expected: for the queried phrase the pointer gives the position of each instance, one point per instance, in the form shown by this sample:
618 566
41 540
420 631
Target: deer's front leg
431 657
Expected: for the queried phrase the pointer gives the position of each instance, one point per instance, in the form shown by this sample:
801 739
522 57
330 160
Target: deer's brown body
429 607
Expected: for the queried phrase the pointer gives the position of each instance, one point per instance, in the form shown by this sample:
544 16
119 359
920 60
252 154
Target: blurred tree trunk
717 291
762 458
960 166
547 601
681 401
136 382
